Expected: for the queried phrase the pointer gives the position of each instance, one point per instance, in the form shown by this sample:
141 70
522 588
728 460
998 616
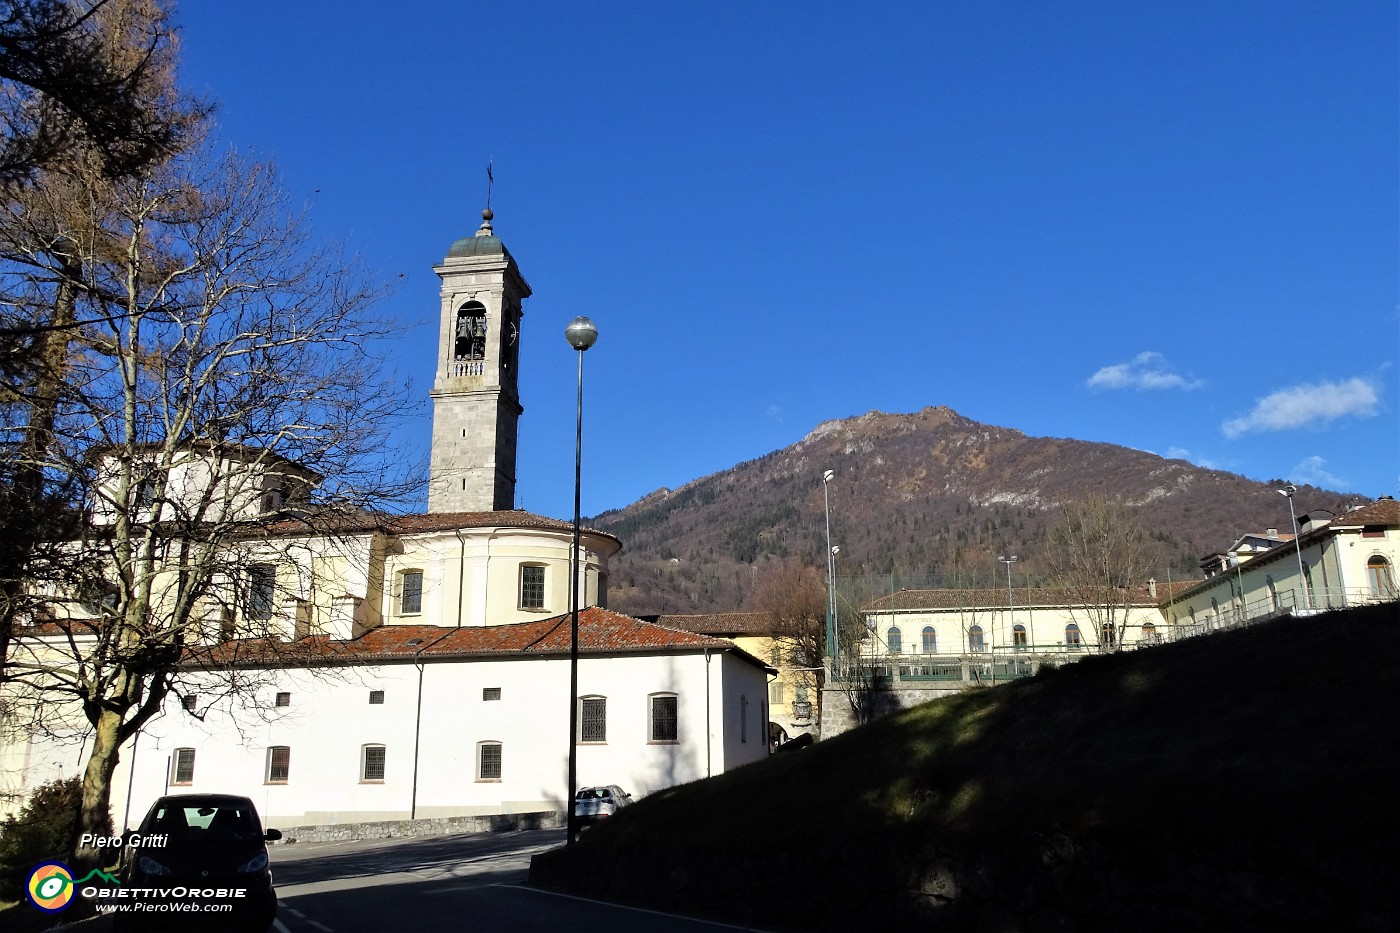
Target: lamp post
581 335
827 477
1008 561
1287 492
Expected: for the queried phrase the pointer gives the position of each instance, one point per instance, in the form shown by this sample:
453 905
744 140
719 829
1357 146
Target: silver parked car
593 803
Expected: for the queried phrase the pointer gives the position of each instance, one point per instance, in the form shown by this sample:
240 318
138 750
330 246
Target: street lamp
581 335
827 477
1287 492
1008 561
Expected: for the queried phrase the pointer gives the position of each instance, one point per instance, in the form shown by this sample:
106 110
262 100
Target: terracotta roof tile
995 597
600 632
753 624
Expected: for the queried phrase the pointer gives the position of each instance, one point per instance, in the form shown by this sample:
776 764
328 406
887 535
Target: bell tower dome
476 394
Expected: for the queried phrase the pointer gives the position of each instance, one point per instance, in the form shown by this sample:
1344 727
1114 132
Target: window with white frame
284 698
410 592
488 761
593 719
182 766
894 641
775 692
490 693
531 586
1073 637
665 721
279 764
372 758
1018 635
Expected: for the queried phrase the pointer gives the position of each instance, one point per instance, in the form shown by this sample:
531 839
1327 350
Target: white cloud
1306 404
1181 453
1148 370
775 412
1313 471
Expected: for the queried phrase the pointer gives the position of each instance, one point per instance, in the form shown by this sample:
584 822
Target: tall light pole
1008 561
1287 492
827 477
581 335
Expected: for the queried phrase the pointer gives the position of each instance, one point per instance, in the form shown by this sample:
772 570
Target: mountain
929 498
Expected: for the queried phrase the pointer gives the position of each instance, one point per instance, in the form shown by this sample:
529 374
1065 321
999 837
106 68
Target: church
417 666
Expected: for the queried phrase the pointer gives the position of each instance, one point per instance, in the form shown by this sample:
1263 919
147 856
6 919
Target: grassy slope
1266 747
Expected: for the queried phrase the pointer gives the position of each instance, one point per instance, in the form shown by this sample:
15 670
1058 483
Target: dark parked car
208 846
593 803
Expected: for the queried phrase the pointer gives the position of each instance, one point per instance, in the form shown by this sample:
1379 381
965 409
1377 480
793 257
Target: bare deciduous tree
225 357
1099 557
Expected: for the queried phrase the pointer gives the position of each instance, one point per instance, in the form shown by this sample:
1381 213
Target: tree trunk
95 818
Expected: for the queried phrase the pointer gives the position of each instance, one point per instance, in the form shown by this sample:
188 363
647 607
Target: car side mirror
272 835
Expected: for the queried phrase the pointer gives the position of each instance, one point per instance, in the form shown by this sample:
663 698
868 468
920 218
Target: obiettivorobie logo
51 885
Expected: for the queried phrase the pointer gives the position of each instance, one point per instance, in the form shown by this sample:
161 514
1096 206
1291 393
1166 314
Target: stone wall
443 826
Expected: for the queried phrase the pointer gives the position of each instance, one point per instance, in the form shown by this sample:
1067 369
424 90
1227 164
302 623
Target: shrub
43 830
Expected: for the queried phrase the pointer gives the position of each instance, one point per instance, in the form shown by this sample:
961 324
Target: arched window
930 638
1273 591
1018 635
894 641
1072 636
1378 576
1149 633
976 641
471 332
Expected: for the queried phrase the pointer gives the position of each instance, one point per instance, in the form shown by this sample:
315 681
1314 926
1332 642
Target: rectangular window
262 585
372 763
182 766
775 692
189 702
489 761
665 725
284 699
411 595
279 764
531 587
593 719
376 698
490 693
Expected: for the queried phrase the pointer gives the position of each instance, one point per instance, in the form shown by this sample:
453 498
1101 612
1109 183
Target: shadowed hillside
925 495
1240 781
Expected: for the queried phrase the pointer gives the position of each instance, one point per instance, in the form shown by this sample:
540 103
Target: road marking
319 926
640 910
292 910
279 926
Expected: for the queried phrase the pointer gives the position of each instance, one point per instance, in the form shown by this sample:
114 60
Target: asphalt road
439 884
447 883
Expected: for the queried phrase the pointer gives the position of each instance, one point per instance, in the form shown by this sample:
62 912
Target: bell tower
476 394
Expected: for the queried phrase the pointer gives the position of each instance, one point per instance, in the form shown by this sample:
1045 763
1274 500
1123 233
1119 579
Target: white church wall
329 720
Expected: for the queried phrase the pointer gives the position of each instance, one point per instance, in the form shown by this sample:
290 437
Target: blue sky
1167 226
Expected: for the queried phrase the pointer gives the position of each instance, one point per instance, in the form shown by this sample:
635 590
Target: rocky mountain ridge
930 497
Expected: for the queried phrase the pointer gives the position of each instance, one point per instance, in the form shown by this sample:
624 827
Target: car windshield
204 822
